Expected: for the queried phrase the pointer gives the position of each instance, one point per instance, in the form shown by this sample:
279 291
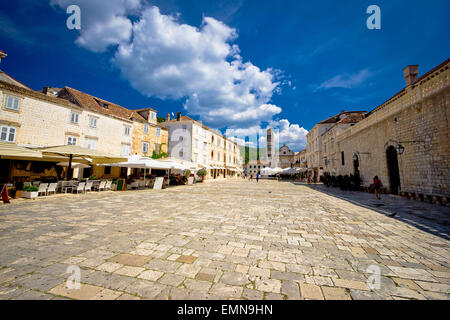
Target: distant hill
253 153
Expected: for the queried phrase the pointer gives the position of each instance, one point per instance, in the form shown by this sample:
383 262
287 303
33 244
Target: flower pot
29 194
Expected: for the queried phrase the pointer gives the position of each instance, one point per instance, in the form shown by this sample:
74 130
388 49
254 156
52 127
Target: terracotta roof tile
95 104
336 118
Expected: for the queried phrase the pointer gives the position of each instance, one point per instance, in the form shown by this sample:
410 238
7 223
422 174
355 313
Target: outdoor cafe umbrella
139 162
277 170
11 150
266 171
290 171
74 165
70 151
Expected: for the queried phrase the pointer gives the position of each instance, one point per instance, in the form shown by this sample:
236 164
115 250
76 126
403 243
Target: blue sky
236 65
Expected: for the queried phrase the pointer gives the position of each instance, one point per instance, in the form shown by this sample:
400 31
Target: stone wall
139 136
418 119
40 122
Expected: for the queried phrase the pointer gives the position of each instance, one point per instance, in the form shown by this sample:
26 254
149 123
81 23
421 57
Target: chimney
168 117
178 116
411 72
2 55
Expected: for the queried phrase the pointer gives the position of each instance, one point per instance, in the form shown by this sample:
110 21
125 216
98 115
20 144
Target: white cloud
168 59
162 57
103 23
290 134
285 132
346 80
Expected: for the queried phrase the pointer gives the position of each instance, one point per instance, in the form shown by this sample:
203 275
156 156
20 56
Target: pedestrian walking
377 186
251 176
257 177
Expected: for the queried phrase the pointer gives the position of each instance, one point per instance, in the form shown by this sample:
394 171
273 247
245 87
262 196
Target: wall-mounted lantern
400 149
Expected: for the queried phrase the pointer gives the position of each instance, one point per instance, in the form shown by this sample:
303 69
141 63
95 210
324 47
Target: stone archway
355 165
393 170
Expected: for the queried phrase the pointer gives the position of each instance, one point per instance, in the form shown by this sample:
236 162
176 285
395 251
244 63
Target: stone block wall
418 119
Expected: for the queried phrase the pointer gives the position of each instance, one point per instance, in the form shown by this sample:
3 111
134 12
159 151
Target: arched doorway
392 166
355 165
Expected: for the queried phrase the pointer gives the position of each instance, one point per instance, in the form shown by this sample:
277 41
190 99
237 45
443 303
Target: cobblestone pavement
230 239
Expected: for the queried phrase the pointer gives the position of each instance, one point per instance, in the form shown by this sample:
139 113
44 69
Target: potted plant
30 192
201 173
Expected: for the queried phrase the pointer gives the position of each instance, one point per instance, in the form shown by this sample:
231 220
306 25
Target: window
158 132
126 150
93 122
342 158
8 134
71 141
107 170
153 115
184 127
12 103
145 128
90 144
74 117
127 130
144 147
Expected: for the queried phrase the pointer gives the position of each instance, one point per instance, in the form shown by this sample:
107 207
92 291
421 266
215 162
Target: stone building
314 143
300 160
190 140
405 140
54 117
139 131
330 151
255 166
286 156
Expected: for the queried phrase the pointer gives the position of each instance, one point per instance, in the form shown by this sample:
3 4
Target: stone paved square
227 239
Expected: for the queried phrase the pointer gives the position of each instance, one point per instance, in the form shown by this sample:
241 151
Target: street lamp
400 149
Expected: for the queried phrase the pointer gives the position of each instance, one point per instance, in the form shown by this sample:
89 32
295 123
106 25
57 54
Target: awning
13 150
204 166
74 165
290 171
77 151
175 165
139 162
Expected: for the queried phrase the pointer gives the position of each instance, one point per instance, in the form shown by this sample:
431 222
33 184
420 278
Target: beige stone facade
255 166
300 160
190 140
153 136
417 120
55 117
286 157
46 121
314 143
330 152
